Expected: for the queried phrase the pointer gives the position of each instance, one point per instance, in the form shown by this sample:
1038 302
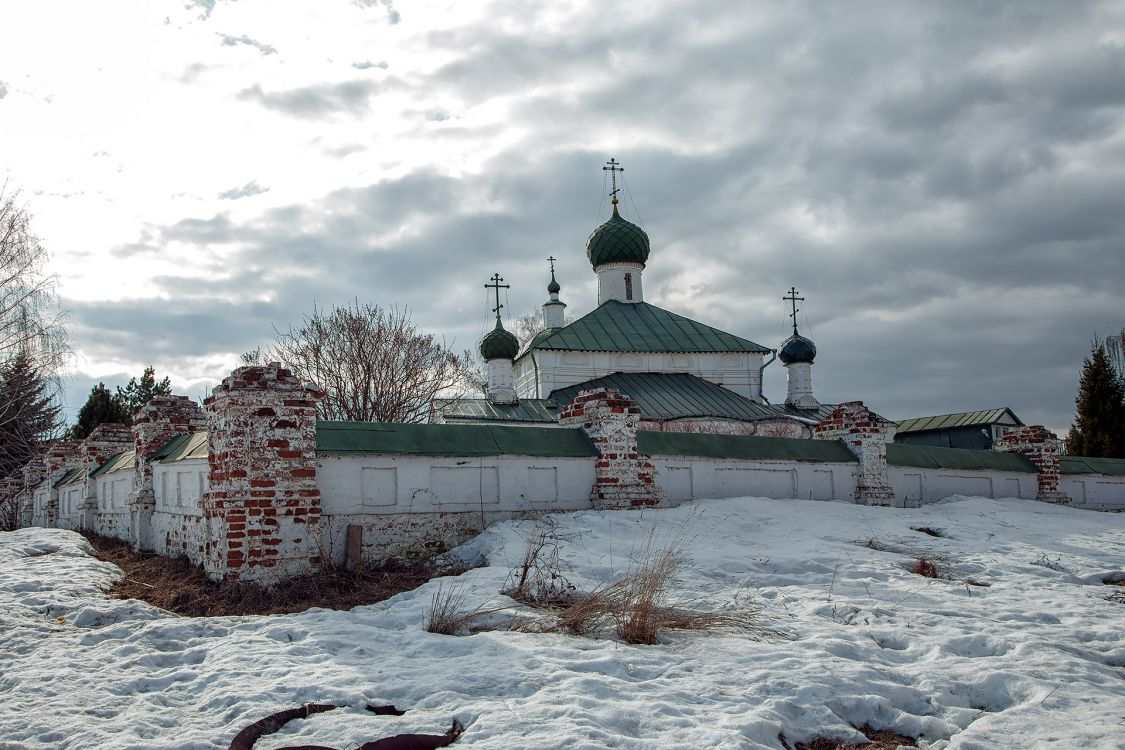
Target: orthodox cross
496 279
552 260
613 167
793 298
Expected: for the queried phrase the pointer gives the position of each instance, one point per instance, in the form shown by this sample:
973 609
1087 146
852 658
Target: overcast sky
944 182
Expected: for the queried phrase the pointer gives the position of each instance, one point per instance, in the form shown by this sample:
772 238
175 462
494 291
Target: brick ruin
866 435
622 477
262 503
1042 447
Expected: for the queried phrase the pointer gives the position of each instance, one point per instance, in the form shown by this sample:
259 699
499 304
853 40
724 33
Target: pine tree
101 407
29 415
1099 422
135 395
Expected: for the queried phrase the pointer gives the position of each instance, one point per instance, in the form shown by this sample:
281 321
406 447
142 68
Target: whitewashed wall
691 478
40 498
915 486
417 503
178 527
1094 491
71 498
112 492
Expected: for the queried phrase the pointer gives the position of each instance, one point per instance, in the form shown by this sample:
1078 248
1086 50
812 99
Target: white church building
685 376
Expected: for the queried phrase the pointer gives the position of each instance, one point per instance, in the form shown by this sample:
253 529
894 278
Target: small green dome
617 241
499 344
797 349
553 287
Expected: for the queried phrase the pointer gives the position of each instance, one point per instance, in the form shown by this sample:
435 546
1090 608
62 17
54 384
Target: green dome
797 349
617 241
499 344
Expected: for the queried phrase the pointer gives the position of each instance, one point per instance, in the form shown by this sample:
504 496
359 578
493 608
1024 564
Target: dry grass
538 580
447 614
877 739
178 586
929 530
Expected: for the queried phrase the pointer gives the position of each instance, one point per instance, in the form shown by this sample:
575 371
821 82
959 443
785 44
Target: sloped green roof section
526 410
1114 467
72 476
933 457
672 395
116 462
640 327
742 447
451 440
960 419
182 447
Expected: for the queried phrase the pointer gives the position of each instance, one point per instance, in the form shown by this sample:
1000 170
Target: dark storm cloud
244 40
250 188
942 181
316 101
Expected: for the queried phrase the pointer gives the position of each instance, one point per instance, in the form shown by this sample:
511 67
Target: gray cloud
393 16
368 65
235 41
3 89
250 188
942 182
206 6
316 101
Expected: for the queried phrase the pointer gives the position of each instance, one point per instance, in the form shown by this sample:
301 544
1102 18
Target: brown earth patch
178 586
877 739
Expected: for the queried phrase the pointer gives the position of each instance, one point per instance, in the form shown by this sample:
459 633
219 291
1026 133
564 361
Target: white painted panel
821 486
1011 487
379 486
776 483
945 485
460 485
542 484
677 483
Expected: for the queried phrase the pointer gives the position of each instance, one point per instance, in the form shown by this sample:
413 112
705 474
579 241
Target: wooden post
353 554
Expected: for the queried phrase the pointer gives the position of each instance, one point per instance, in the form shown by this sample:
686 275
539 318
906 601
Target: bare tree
1115 351
373 363
526 326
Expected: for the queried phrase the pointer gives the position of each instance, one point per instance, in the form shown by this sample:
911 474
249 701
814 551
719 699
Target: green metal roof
933 457
672 395
451 440
182 447
72 476
640 327
960 419
742 447
1088 465
537 410
116 462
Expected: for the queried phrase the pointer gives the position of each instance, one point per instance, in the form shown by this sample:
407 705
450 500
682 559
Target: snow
1034 660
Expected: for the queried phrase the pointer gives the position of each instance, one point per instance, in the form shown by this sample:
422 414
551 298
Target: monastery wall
265 504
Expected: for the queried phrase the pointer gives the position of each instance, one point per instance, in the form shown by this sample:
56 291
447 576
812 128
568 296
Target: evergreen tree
29 415
136 394
101 407
1099 422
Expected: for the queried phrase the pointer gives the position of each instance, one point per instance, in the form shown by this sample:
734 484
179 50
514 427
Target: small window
629 286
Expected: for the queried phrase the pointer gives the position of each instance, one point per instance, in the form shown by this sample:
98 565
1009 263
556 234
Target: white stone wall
558 369
619 281
71 498
40 498
689 478
1094 491
915 486
113 514
179 529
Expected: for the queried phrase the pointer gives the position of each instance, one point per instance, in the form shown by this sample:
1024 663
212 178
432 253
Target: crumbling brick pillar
262 503
866 434
160 420
1042 448
622 477
61 457
104 441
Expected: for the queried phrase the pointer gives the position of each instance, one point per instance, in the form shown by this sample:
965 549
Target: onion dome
553 287
499 344
797 348
617 241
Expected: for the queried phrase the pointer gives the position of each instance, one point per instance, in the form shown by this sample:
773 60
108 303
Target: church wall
178 524
559 369
915 486
407 504
692 478
112 517
1094 491
71 497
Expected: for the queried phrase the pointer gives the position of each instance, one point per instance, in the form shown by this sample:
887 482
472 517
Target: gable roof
672 395
116 462
182 448
640 327
960 419
535 410
72 476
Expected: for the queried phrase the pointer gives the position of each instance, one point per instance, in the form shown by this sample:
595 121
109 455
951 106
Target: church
685 376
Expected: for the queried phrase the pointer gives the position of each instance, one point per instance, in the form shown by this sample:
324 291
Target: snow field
1033 660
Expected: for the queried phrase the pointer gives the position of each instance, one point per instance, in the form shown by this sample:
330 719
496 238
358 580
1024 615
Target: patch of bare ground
178 586
877 739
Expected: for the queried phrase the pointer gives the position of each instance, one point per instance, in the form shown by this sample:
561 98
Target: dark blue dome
797 348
